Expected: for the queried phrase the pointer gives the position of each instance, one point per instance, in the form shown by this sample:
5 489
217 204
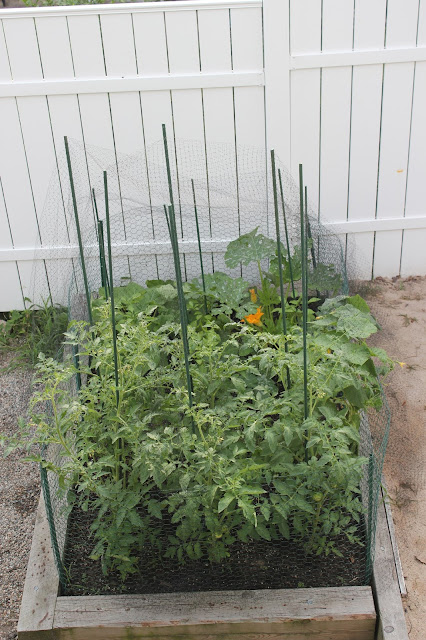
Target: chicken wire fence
220 193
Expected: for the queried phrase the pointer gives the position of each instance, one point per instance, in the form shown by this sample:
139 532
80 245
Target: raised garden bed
344 613
232 443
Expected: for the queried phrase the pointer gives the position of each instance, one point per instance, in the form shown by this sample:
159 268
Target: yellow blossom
402 364
253 295
254 318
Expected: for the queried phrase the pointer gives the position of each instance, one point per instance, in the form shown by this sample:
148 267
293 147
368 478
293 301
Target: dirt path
400 306
19 494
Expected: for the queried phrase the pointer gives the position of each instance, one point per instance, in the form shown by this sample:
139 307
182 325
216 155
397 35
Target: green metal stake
169 173
77 224
308 227
286 234
181 297
306 252
199 247
309 238
280 265
304 301
101 242
111 280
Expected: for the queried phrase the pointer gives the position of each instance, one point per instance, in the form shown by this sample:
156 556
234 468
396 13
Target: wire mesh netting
312 528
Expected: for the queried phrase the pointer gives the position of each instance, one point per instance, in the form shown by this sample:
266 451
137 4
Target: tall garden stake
280 263
181 298
101 243
304 300
111 282
199 246
286 234
77 225
306 253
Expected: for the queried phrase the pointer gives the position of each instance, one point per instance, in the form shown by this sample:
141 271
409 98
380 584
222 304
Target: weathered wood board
335 613
344 613
391 623
41 583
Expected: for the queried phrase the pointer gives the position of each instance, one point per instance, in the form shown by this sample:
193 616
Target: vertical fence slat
218 108
10 291
126 120
152 59
188 124
276 33
336 89
64 117
305 37
369 33
28 132
414 240
95 110
401 31
10 287
249 107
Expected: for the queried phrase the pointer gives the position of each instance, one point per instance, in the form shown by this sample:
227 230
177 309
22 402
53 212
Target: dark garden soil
255 565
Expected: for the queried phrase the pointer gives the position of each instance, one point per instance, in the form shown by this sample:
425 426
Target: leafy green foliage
250 247
242 463
33 330
233 466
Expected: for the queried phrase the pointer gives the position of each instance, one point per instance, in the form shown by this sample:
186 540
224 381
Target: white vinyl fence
339 85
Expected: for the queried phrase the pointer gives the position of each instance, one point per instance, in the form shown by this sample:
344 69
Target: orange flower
253 295
254 318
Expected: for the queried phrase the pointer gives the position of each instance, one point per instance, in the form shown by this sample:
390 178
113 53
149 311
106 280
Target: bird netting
291 518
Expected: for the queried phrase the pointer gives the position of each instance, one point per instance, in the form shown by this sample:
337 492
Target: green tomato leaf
225 502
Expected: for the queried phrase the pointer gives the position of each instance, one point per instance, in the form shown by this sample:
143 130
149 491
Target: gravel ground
19 494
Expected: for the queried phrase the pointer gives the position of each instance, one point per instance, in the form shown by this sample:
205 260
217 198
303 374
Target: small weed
407 320
412 367
37 329
368 289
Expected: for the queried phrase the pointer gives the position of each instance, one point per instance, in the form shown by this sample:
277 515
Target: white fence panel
401 30
338 85
369 34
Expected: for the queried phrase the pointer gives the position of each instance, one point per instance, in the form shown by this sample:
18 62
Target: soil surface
277 564
400 306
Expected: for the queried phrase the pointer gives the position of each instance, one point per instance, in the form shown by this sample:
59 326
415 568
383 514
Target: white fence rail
338 85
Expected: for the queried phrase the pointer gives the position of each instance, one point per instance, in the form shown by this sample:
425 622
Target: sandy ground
400 306
19 495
